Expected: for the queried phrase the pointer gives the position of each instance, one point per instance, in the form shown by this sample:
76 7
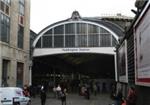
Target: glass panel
3 33
82 40
5 28
7 21
93 29
70 28
81 28
20 36
93 40
22 1
47 41
59 29
21 9
58 41
7 9
8 2
102 30
70 41
48 32
2 6
38 44
114 41
105 40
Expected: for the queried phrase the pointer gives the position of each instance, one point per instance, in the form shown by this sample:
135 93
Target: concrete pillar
30 76
0 68
116 74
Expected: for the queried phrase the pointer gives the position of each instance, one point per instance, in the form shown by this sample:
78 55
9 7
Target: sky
47 12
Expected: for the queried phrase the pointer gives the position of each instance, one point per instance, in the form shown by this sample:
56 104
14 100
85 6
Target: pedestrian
87 93
54 91
118 97
131 97
63 94
43 95
95 89
58 90
26 91
113 90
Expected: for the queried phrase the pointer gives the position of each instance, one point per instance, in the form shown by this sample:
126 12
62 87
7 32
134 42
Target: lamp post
30 66
30 72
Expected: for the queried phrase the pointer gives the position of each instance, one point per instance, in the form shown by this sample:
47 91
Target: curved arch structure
77 45
77 35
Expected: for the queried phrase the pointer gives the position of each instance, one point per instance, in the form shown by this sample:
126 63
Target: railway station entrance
76 49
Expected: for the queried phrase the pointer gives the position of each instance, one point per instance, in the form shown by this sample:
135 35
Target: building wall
142 91
10 51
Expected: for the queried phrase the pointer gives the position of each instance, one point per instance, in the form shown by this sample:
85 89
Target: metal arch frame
63 23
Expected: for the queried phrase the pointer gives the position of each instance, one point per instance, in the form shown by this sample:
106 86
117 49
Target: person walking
54 91
43 95
131 97
118 97
95 89
63 94
58 90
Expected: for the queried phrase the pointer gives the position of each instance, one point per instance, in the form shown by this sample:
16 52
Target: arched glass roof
78 32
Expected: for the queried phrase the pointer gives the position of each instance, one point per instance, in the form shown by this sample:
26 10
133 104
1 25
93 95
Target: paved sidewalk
75 99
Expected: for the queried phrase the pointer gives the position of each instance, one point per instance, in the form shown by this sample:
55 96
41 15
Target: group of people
60 93
129 100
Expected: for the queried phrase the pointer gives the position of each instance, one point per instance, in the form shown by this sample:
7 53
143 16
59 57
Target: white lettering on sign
75 49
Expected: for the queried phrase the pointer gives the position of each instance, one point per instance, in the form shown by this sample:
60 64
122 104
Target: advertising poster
122 61
142 50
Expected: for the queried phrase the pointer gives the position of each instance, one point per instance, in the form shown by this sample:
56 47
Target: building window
59 36
93 35
58 41
20 36
5 67
6 2
93 40
4 6
21 7
47 41
5 28
81 28
21 11
38 44
105 40
70 28
69 40
82 40
19 74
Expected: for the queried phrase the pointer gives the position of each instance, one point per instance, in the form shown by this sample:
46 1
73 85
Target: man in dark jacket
43 95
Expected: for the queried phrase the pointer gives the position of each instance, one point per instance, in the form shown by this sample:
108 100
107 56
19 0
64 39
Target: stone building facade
14 42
